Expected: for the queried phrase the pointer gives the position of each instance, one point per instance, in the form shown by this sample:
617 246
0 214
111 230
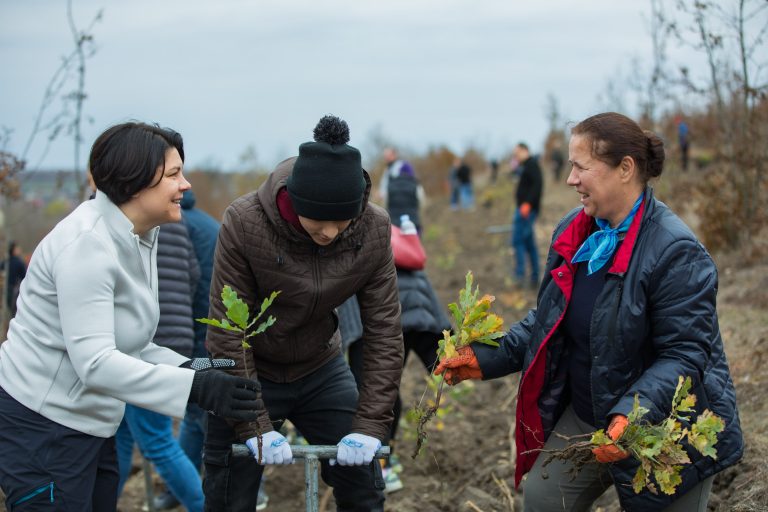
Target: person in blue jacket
626 307
203 231
177 276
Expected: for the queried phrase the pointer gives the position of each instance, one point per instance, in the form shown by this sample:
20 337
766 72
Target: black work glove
226 395
200 364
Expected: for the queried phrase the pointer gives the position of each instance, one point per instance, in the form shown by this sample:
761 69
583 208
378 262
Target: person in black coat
400 189
203 232
528 198
177 275
17 270
423 320
627 307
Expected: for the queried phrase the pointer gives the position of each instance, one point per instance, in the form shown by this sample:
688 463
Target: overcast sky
229 74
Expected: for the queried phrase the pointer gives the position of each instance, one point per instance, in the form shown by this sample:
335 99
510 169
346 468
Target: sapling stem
239 320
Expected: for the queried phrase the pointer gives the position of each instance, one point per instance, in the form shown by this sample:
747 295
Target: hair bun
331 130
656 154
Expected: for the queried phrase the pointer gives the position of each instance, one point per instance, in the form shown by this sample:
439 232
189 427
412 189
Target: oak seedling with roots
474 324
659 447
239 320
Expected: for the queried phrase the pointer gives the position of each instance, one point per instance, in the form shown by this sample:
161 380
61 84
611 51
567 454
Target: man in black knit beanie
310 233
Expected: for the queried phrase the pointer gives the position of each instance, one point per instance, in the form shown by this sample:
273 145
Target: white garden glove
275 448
356 450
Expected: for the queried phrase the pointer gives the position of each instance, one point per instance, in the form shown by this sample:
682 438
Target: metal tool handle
311 453
301 451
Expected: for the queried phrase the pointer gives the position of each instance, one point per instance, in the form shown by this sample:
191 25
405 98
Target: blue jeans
525 246
321 405
192 428
154 434
467 196
454 195
192 434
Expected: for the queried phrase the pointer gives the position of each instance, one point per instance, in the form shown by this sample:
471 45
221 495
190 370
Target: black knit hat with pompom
327 181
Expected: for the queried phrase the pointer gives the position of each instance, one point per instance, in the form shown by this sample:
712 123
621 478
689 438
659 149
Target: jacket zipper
35 493
316 277
615 315
611 335
316 280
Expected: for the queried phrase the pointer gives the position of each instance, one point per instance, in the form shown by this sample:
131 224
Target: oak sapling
474 324
659 447
239 320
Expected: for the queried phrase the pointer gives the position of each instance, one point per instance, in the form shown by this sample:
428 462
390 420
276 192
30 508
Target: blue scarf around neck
600 246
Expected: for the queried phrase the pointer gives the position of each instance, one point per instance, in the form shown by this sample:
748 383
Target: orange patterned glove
610 452
525 210
460 367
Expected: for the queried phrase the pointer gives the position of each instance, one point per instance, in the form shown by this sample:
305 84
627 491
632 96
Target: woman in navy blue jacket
627 305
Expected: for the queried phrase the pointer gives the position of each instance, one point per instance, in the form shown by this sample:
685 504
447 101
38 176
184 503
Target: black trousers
47 466
423 343
321 406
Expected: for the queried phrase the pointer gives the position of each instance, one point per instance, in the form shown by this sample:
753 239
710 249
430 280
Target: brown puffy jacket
259 252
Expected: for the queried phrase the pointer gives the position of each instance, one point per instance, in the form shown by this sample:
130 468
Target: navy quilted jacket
654 320
177 275
421 309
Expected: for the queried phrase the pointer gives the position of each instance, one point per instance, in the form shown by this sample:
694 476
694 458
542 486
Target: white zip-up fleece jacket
81 345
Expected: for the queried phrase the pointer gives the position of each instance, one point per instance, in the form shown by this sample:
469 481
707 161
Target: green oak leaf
223 324
237 309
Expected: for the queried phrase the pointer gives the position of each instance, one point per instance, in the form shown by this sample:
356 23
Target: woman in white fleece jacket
80 344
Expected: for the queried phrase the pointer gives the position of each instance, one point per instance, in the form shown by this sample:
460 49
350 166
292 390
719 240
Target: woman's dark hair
11 248
615 136
125 158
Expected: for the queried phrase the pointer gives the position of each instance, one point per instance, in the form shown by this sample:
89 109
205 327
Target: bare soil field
468 462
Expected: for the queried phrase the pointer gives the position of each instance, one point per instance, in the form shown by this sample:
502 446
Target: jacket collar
118 224
582 226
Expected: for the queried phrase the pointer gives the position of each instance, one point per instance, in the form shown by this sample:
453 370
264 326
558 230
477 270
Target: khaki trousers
551 489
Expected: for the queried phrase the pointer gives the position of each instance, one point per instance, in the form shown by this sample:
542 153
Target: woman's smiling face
161 201
599 185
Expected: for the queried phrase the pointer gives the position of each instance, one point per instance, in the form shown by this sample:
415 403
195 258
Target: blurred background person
400 189
528 202
684 141
16 271
177 277
203 230
462 194
423 321
494 170
453 184
558 162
